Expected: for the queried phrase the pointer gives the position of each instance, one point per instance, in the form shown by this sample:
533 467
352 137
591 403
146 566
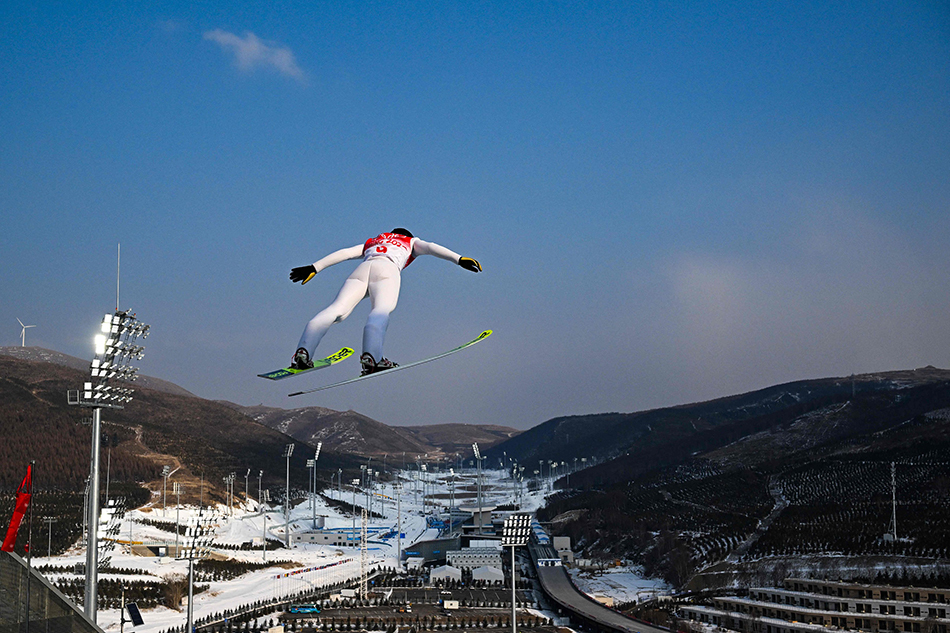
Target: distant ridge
157 428
42 355
354 432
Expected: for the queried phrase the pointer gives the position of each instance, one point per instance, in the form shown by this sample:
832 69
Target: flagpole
29 549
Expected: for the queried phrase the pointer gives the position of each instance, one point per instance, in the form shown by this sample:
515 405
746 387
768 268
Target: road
557 585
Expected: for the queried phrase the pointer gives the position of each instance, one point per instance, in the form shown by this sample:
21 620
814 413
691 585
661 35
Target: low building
472 557
488 574
562 545
336 538
481 518
433 551
445 572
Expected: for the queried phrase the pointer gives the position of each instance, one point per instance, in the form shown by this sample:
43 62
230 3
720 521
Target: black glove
302 274
470 264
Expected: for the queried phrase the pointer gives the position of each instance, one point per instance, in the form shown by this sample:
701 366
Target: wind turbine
23 333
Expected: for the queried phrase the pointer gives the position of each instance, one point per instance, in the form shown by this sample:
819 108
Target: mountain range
796 472
773 477
166 424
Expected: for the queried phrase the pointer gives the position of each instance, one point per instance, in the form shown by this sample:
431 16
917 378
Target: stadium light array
115 347
515 533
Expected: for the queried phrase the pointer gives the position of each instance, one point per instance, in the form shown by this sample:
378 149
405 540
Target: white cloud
251 52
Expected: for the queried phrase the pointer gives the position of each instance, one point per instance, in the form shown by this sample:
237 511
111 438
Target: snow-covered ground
314 565
623 584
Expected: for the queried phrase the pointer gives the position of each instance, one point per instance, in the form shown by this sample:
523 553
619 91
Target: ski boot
370 366
301 360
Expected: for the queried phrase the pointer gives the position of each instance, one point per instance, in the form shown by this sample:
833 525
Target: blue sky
671 203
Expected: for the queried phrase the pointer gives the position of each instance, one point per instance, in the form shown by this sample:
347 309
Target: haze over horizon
670 204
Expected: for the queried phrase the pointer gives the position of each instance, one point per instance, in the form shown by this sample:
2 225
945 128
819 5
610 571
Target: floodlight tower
115 349
288 451
247 499
514 534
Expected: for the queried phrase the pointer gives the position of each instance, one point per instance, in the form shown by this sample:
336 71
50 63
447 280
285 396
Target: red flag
23 494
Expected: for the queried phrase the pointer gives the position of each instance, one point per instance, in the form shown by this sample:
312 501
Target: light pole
288 451
247 499
397 488
515 532
369 491
478 479
354 483
452 496
265 497
200 535
316 458
166 471
176 488
49 527
229 493
514 481
425 478
310 465
115 349
260 476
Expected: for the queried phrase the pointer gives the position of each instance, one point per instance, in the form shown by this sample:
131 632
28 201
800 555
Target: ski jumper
377 277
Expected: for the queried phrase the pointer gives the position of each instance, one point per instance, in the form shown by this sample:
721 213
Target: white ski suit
377 277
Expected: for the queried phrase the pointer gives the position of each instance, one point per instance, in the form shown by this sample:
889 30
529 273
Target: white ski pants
376 278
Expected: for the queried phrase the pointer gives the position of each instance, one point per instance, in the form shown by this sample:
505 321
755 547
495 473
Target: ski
287 372
479 338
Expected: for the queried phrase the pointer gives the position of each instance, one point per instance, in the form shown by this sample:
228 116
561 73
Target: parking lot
406 605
